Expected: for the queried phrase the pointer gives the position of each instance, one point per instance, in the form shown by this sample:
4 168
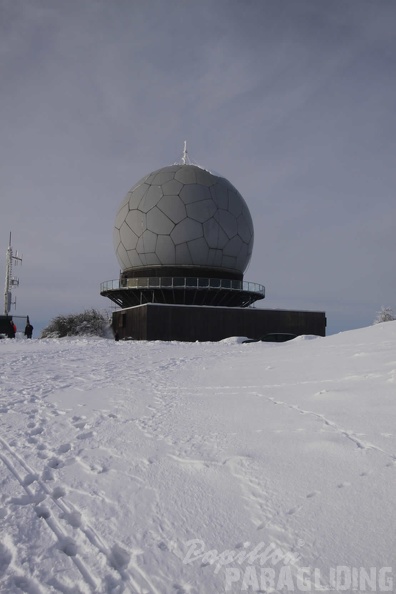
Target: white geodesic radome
183 216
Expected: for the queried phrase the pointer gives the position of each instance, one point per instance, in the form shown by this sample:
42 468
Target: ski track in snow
71 531
61 516
89 557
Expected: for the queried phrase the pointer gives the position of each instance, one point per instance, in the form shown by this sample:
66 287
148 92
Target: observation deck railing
175 282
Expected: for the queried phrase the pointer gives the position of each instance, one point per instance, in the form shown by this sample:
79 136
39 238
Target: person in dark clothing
28 330
11 330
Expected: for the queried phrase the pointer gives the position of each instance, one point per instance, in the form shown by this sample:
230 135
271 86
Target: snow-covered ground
173 468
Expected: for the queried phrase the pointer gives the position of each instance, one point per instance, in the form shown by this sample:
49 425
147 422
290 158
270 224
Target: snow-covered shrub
385 314
89 323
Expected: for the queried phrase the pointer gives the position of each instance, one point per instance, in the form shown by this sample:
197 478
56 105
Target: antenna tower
10 281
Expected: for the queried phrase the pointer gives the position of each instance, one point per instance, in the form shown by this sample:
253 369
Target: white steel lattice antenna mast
10 281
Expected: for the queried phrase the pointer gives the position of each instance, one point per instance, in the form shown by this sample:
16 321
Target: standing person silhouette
12 330
28 330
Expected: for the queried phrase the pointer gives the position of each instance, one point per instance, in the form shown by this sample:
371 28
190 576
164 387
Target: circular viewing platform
182 291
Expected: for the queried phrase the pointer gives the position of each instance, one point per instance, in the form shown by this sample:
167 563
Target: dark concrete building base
155 321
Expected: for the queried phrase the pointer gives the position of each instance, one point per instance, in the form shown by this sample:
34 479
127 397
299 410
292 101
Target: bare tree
385 314
89 323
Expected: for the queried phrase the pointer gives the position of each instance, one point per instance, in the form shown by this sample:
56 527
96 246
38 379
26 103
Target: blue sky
293 102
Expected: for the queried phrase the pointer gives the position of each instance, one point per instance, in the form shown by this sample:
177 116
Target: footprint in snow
42 453
313 494
119 557
73 518
28 499
37 431
42 511
86 435
55 463
3 515
29 479
47 474
58 492
179 589
80 425
68 546
24 584
293 510
5 558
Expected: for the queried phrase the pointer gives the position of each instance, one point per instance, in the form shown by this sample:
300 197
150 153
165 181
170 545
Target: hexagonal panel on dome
136 196
199 251
201 211
183 256
141 181
186 230
172 188
136 220
116 238
151 176
134 259
219 193
170 169
194 193
166 250
163 176
234 203
243 229
125 201
229 262
128 237
122 256
120 218
216 258
152 259
146 243
249 220
243 256
205 178
173 207
158 222
224 182
233 247
227 222
186 174
150 199
214 234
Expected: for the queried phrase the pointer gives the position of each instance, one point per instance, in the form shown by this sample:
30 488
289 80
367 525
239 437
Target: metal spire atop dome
185 158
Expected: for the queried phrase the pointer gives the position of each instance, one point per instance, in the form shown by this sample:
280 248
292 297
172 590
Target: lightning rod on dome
185 157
